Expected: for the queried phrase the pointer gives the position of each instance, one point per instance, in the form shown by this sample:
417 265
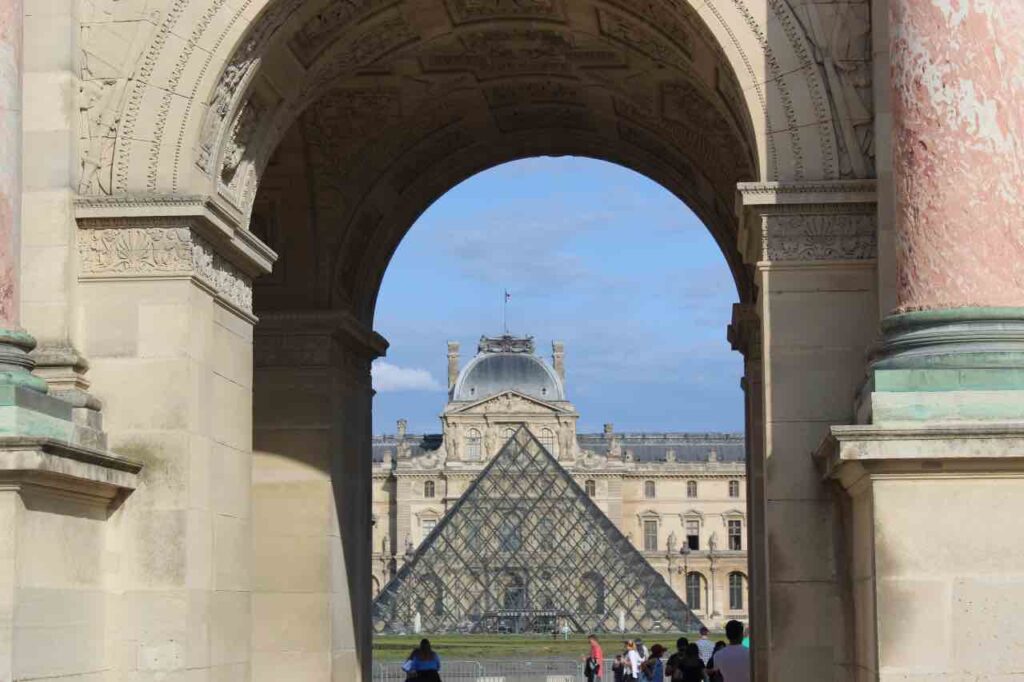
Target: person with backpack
423 664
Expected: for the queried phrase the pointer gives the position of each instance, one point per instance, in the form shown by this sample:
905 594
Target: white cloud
391 378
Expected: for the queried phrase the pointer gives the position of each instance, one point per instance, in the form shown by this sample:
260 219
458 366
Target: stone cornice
161 248
926 450
808 221
338 324
57 467
219 224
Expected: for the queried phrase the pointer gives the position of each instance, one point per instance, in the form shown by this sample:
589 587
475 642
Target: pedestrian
423 664
691 667
594 660
714 675
705 645
633 661
641 649
653 669
733 661
619 668
672 667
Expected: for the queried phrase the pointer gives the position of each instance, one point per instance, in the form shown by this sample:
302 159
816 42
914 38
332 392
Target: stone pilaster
311 495
813 249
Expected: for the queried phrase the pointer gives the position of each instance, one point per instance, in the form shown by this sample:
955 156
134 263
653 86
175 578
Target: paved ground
489 647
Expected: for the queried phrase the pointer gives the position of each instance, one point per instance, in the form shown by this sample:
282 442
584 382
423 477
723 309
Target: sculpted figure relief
841 34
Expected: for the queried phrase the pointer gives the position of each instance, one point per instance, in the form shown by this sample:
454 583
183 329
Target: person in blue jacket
423 664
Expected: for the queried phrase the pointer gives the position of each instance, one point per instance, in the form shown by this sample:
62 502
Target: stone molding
956 338
808 221
852 454
114 248
43 464
303 338
222 228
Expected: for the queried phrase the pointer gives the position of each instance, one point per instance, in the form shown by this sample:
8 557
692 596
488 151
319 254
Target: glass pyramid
526 550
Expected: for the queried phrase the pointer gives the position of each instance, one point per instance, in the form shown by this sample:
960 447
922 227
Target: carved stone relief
465 11
499 52
819 236
677 50
841 35
98 117
161 251
317 33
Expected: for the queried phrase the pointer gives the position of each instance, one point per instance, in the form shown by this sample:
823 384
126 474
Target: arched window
649 490
590 485
507 435
547 439
375 585
694 590
691 489
472 444
734 488
736 590
428 489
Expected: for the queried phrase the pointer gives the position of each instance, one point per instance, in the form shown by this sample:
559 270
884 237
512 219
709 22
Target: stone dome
492 373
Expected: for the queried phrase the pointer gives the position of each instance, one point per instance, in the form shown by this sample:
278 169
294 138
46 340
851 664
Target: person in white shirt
633 661
733 662
705 646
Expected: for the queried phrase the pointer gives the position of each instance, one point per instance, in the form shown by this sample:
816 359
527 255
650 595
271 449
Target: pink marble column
10 159
958 140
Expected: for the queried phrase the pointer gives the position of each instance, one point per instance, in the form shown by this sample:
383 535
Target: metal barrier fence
544 670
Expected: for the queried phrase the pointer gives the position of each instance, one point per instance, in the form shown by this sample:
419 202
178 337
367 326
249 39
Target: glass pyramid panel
525 550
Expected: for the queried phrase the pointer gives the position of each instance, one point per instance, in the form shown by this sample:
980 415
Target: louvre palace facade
663 491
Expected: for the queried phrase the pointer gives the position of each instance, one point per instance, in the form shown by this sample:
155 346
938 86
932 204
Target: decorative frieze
164 250
808 221
801 237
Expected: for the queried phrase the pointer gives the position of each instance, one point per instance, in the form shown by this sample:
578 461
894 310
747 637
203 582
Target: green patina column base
26 409
15 364
961 364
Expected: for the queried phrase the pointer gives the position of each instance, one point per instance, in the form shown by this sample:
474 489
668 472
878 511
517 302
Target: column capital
807 221
151 237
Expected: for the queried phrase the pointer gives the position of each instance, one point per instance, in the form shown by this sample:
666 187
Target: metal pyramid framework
526 550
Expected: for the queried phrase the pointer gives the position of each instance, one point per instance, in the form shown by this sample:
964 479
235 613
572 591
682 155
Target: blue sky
594 255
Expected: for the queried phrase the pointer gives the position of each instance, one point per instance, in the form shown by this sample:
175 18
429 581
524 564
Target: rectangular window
735 592
428 525
649 490
691 489
650 536
693 534
736 535
734 488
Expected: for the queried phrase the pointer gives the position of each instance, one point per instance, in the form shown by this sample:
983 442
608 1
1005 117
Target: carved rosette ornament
161 251
818 237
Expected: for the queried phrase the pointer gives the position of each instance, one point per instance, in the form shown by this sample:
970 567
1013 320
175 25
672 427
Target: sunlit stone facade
664 491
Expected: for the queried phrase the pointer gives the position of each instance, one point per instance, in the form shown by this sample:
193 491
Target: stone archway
394 108
315 133
125 238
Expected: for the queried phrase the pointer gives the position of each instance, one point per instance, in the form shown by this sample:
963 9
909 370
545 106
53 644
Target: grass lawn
524 647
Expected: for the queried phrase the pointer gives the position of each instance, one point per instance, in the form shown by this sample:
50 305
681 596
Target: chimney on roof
609 429
558 359
453 363
401 427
